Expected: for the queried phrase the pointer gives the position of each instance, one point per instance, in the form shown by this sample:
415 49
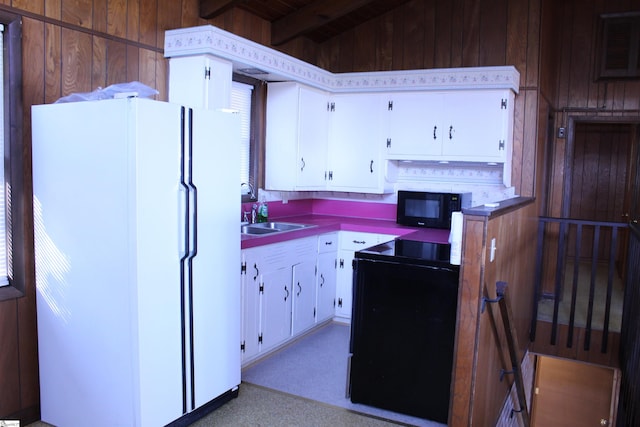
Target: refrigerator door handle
183 231
192 221
193 191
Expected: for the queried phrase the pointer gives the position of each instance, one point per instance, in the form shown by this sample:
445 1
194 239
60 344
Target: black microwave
432 210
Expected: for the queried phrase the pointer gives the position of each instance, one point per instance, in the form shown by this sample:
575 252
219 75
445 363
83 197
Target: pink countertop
328 223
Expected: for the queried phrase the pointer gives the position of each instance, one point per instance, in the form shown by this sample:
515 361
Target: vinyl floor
315 368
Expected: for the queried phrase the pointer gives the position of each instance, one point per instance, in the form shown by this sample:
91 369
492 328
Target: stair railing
600 229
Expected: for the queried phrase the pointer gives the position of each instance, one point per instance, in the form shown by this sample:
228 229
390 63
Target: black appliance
403 328
425 209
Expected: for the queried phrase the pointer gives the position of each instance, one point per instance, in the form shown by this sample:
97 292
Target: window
247 96
620 46
16 253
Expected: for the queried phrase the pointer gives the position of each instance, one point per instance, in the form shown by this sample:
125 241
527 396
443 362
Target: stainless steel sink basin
271 227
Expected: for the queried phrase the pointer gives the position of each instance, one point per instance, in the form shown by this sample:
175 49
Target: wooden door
600 180
569 394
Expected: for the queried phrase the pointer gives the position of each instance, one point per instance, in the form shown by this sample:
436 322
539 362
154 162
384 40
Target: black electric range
403 327
413 252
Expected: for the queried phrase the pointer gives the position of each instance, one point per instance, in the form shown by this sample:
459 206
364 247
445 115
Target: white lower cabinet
326 276
278 294
304 296
350 243
289 287
275 309
250 296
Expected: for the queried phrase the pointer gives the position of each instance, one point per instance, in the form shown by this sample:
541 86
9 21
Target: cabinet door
296 137
189 84
250 294
313 134
355 143
415 126
344 284
326 285
350 243
275 326
479 126
304 297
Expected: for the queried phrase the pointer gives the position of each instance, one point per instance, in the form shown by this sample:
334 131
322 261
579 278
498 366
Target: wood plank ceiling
319 20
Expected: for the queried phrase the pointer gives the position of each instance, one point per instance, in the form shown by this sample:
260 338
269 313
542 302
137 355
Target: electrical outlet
492 252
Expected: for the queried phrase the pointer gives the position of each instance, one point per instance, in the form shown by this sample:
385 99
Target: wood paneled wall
78 45
578 95
74 46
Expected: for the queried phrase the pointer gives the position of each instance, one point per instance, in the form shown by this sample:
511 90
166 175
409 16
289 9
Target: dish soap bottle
263 212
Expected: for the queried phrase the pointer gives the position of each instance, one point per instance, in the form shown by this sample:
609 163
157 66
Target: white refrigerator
137 242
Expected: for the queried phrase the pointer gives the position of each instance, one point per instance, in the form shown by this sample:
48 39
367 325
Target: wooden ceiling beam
212 8
310 17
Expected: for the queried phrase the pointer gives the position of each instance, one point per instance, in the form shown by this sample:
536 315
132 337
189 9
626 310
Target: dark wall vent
620 46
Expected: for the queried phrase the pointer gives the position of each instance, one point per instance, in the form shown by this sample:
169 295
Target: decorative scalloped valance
244 53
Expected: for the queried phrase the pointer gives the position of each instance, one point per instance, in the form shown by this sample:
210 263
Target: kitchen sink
271 227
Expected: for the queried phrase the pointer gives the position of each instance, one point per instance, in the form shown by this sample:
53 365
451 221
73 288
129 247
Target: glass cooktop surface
412 251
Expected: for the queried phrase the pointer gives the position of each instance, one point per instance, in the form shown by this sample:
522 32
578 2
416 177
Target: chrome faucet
252 193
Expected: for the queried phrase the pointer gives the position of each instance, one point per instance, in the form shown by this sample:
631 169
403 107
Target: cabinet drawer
355 241
327 243
383 238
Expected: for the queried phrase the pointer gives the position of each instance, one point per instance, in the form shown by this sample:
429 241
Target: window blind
4 270
241 101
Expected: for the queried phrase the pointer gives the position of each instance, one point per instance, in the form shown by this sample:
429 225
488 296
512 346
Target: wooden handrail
512 341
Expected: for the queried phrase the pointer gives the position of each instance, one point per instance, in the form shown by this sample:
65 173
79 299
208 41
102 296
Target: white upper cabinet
479 125
356 144
296 134
201 81
320 142
465 125
343 142
414 124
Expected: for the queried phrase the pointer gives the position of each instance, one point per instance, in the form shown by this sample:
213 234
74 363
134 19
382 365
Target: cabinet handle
303 164
435 128
339 302
287 291
359 242
255 266
371 166
450 132
322 280
328 243
299 289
